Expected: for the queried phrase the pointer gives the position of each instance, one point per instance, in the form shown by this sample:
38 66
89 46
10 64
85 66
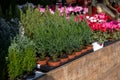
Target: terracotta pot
72 56
77 53
89 47
54 64
84 50
42 62
63 60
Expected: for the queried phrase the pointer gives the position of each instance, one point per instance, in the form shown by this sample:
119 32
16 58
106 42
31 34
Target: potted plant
63 57
99 38
69 41
87 33
54 60
42 58
54 51
113 31
70 53
21 57
41 52
41 49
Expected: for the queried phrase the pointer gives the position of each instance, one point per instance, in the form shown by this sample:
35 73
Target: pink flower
42 10
51 11
67 17
69 10
119 25
85 10
78 9
61 9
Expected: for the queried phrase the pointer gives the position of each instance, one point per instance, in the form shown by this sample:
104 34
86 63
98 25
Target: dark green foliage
21 57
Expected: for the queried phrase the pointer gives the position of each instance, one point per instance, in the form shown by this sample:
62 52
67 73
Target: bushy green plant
86 33
29 20
21 57
54 34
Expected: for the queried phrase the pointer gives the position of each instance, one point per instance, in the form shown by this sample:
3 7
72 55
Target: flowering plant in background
113 29
79 18
67 10
96 24
85 10
103 26
42 10
102 29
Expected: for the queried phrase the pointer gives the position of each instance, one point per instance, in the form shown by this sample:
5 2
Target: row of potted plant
54 35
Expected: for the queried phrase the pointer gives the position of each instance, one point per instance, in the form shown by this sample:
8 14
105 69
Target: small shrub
21 57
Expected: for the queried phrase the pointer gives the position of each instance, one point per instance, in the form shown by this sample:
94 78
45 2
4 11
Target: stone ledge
103 64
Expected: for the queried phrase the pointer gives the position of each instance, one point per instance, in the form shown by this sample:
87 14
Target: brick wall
103 64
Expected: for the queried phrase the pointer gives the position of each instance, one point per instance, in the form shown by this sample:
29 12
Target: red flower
118 9
76 19
80 17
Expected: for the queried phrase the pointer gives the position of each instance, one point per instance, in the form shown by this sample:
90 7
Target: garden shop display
52 36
